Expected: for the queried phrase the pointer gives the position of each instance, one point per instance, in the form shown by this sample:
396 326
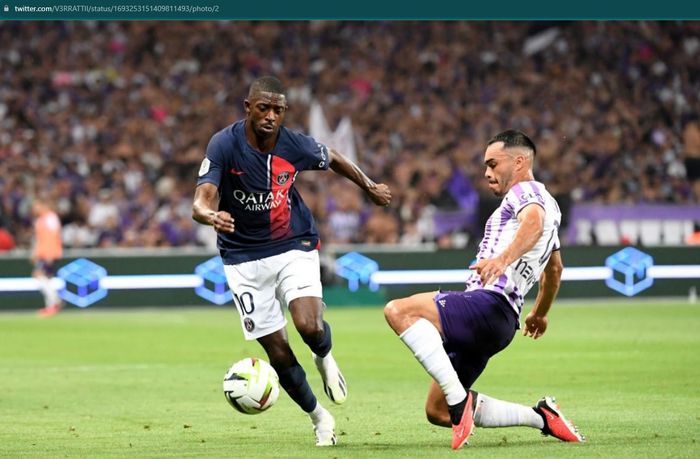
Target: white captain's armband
204 168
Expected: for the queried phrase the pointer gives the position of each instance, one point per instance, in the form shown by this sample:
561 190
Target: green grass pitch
147 383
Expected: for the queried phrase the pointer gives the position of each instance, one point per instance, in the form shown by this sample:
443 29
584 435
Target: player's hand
535 325
380 194
222 221
489 269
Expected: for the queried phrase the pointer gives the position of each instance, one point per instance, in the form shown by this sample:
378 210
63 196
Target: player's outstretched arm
531 219
536 320
379 193
206 198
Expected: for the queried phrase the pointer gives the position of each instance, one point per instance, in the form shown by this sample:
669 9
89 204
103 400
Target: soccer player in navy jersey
453 334
269 242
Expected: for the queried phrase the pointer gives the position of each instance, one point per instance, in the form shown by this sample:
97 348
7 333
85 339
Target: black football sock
293 380
456 411
321 346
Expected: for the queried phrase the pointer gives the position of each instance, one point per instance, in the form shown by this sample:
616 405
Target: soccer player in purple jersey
268 239
453 334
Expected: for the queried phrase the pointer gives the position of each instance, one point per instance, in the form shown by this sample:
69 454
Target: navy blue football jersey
257 189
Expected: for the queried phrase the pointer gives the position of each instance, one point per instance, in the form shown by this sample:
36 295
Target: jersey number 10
244 302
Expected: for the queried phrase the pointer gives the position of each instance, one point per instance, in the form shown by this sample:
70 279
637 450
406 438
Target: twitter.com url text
114 9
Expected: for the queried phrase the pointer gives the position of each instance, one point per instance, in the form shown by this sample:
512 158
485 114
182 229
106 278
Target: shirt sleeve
522 195
557 244
210 170
315 156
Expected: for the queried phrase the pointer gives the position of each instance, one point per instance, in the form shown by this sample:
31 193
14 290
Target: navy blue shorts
46 267
476 325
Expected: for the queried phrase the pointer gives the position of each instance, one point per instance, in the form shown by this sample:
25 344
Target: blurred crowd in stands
110 120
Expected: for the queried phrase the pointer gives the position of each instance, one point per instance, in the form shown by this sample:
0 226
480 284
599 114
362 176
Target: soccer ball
251 386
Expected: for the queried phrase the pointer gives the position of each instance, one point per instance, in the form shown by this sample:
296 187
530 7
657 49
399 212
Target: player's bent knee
437 417
310 329
399 315
311 334
392 312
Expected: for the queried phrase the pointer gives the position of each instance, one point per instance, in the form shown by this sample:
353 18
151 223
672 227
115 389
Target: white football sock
317 413
424 340
326 362
49 293
491 412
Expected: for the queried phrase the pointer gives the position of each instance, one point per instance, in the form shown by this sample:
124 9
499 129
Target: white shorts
262 289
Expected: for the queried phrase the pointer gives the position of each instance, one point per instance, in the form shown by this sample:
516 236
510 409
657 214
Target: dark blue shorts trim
46 267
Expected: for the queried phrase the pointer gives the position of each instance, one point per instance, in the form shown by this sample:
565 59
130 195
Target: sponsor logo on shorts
306 243
442 303
248 324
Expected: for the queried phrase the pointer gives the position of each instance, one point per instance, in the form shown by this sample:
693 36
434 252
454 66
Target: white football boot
324 427
333 382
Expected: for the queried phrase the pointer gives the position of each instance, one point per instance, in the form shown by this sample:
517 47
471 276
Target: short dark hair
267 84
513 138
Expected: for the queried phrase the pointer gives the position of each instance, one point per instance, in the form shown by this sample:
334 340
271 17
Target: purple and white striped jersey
499 232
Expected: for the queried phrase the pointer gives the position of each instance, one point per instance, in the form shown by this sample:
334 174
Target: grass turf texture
147 383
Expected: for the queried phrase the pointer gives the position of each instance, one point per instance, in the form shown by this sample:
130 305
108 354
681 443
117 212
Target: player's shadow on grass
506 442
412 446
387 446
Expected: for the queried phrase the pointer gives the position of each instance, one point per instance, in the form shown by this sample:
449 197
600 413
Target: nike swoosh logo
235 172
303 287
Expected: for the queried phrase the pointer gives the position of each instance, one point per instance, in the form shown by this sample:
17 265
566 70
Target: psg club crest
282 178
249 324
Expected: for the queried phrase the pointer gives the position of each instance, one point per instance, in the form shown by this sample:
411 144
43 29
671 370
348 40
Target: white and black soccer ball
251 385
